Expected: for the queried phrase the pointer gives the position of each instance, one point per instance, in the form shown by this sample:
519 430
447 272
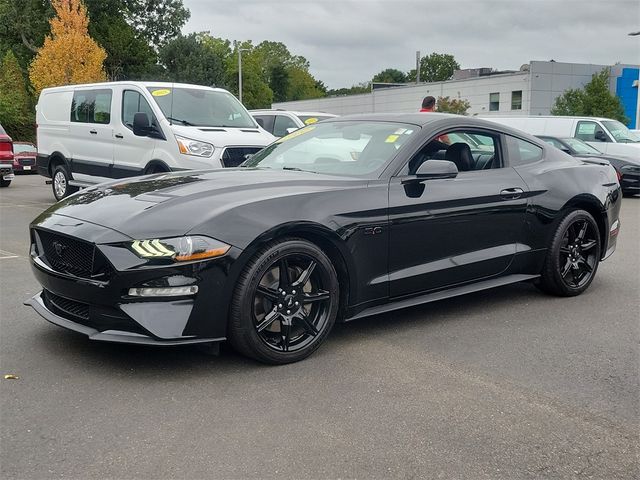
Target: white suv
282 122
92 133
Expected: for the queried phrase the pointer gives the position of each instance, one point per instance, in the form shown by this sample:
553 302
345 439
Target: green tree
354 90
435 67
158 21
189 59
302 85
458 105
593 100
23 26
390 75
256 92
129 55
16 109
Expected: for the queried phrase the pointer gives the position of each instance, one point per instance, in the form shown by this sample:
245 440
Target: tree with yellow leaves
69 55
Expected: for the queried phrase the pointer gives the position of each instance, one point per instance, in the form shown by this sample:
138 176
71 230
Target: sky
349 41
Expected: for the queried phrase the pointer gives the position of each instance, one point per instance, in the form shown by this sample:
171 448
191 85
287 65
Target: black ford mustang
340 220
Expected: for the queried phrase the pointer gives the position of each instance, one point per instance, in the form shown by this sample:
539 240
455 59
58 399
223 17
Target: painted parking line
4 255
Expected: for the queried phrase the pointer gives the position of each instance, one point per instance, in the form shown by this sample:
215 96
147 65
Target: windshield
579 146
340 148
620 132
311 119
201 108
22 147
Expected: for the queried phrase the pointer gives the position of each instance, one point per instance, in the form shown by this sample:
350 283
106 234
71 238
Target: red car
6 158
24 157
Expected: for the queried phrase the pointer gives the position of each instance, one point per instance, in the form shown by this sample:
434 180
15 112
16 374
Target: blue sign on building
627 91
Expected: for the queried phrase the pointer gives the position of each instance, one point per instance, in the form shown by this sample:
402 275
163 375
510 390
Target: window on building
494 102
516 100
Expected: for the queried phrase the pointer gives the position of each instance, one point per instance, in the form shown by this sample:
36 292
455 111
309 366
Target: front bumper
100 306
117 336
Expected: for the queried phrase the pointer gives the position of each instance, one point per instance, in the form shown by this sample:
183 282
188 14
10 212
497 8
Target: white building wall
550 79
409 98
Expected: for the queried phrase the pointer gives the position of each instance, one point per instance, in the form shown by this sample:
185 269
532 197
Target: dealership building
531 90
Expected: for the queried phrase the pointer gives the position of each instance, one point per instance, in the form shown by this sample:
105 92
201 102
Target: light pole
637 125
240 50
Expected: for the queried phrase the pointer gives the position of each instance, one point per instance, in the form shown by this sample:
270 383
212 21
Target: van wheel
60 184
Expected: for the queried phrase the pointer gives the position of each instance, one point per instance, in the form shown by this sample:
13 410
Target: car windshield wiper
296 169
184 122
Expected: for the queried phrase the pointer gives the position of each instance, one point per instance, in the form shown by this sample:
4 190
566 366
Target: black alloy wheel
285 303
574 255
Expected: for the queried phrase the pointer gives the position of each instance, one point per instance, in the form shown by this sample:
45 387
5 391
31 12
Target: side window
281 124
470 150
553 141
590 132
101 107
522 152
91 106
80 106
132 103
265 121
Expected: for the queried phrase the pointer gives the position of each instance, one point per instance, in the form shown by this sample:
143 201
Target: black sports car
343 219
628 169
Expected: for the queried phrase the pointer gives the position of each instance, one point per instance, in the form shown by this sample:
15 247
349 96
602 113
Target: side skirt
441 295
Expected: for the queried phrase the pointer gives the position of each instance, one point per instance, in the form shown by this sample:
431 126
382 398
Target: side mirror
141 124
434 169
566 150
290 130
601 136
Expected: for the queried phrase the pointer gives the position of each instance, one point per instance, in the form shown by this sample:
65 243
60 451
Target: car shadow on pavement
189 361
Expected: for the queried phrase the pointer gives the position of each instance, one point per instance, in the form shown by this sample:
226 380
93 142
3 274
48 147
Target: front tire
573 256
60 183
285 302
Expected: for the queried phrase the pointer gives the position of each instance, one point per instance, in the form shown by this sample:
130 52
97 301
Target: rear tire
60 183
573 256
285 302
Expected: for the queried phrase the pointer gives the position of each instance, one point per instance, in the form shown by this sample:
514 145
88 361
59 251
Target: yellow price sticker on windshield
295 134
161 93
309 121
392 138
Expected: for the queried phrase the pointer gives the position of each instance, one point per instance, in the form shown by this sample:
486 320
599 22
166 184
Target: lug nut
279 305
293 292
297 303
288 312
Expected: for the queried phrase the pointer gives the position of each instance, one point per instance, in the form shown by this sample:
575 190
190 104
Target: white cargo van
608 136
92 133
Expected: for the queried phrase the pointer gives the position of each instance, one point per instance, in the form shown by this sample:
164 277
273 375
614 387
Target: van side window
91 106
522 152
132 103
281 124
589 131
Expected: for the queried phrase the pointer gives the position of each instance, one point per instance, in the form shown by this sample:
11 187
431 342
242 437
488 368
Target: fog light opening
163 291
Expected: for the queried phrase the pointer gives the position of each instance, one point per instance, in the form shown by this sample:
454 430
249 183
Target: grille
76 257
234 156
66 306
27 161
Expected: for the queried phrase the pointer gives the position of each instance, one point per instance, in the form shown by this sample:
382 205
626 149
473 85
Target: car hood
226 137
609 158
173 204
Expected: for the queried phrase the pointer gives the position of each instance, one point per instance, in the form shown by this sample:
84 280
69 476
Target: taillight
6 147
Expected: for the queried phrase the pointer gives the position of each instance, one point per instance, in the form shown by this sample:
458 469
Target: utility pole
417 67
240 50
637 82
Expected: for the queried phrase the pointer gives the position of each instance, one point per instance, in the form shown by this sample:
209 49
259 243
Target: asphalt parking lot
508 383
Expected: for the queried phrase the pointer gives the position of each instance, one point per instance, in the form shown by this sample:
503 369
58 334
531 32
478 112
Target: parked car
24 157
608 136
89 134
628 169
282 122
270 255
6 159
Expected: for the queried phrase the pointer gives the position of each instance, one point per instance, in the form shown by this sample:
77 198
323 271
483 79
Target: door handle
93 132
119 135
511 193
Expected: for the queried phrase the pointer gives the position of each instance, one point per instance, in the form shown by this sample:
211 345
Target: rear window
23 147
522 152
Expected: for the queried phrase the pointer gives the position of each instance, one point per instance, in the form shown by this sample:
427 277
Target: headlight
194 147
181 249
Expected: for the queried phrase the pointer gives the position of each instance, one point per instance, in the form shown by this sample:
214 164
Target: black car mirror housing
141 124
433 169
